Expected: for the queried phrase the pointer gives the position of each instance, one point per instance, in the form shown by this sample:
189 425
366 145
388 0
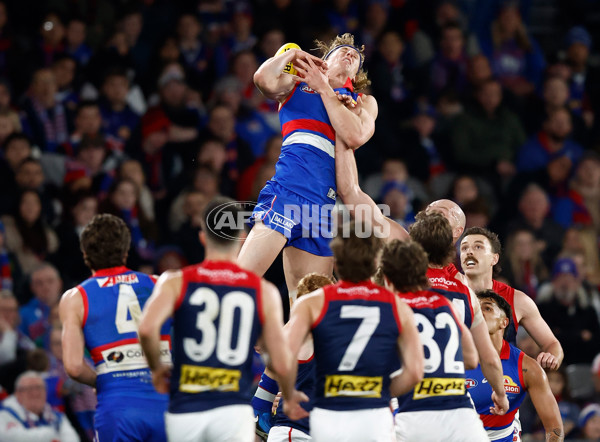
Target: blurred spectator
7 45
477 213
9 124
65 70
45 117
132 170
16 149
46 286
51 44
341 16
27 234
589 422
98 163
463 190
118 119
131 24
27 416
376 20
516 59
169 258
579 205
197 56
238 37
243 66
397 197
186 236
479 71
77 214
574 323
13 342
88 122
269 43
583 241
487 124
248 177
569 411
213 153
523 265
30 176
448 70
75 41
115 53
551 150
534 207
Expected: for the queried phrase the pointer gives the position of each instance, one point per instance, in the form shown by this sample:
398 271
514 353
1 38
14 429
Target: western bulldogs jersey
443 387
305 382
306 165
216 323
500 428
508 293
113 300
355 340
455 291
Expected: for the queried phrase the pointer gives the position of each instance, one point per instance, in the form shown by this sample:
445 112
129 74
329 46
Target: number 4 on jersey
127 303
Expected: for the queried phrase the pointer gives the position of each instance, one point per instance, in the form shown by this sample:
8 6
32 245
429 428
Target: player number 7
370 320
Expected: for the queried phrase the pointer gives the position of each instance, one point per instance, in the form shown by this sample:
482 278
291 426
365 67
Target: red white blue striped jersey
306 165
356 346
113 300
500 428
217 321
443 386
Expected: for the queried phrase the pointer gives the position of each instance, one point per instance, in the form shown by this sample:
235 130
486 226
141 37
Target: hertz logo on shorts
430 387
353 386
196 379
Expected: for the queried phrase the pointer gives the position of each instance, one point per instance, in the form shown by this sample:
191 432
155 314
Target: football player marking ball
289 68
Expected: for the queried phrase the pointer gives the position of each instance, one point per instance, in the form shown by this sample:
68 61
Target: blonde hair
360 81
311 282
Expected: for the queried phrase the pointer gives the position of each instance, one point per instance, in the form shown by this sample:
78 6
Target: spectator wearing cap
583 80
579 204
569 315
26 416
589 422
118 119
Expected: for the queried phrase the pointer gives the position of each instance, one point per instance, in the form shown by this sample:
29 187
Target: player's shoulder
502 288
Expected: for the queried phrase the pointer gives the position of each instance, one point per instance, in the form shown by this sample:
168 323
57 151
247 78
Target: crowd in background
147 109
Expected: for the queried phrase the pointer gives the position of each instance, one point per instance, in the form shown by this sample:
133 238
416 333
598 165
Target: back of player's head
311 282
434 233
404 264
499 301
355 254
105 242
222 222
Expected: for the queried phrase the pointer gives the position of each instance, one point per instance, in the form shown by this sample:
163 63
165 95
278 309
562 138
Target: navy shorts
305 224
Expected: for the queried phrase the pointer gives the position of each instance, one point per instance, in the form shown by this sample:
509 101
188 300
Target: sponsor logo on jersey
131 356
353 386
115 356
470 383
197 379
110 281
356 291
436 281
432 387
222 274
421 300
511 386
307 89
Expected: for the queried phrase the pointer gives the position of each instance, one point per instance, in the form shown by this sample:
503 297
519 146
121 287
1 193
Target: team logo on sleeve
511 386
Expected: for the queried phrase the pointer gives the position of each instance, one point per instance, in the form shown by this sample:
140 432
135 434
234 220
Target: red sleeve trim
305 361
184 285
324 308
521 378
395 310
86 307
154 278
259 302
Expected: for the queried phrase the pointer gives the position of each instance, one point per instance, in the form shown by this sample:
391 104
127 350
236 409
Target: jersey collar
505 352
111 271
348 85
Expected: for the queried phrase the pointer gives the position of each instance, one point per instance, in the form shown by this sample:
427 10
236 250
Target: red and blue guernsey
454 290
500 428
217 321
356 346
443 386
113 301
306 165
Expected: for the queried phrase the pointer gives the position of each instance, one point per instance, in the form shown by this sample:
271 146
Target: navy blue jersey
306 165
113 300
499 428
443 387
356 346
216 323
305 382
454 290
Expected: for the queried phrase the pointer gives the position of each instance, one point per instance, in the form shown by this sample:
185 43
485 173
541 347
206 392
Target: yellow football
289 68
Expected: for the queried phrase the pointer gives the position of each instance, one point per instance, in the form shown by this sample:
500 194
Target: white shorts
287 434
370 425
458 425
232 423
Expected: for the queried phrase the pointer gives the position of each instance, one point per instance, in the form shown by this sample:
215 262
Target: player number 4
127 303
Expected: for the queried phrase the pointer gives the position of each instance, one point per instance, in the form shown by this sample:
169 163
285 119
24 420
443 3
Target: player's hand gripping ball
289 68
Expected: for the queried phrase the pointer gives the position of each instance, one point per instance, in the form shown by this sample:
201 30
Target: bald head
453 213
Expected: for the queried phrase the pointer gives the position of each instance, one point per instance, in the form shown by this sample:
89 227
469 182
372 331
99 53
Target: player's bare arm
411 352
543 400
470 355
490 366
270 79
71 312
529 317
346 174
354 128
282 361
158 309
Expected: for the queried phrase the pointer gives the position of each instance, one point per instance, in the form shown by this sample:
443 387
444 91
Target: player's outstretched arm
71 313
270 79
282 361
158 309
543 400
552 353
411 352
470 355
358 202
490 366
